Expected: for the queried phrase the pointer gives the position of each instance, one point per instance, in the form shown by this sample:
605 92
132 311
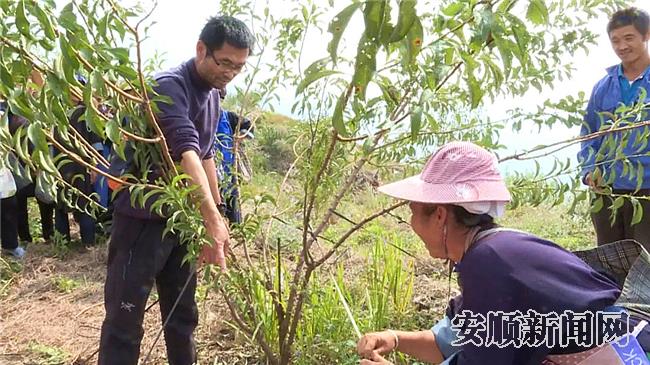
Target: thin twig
138 138
574 140
357 227
169 315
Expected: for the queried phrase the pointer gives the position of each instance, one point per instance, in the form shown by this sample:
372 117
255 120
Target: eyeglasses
226 64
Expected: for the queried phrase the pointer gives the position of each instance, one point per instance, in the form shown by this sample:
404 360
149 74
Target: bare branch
357 227
570 141
138 138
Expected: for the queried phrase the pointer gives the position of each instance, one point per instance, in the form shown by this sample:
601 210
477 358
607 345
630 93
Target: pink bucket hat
459 172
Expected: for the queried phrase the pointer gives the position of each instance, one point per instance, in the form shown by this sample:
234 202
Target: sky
180 22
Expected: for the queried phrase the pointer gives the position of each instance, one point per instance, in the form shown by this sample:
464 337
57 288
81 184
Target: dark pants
86 225
22 215
8 223
138 256
621 228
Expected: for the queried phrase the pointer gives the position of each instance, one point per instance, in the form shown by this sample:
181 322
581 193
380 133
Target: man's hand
594 181
375 344
375 359
204 175
215 253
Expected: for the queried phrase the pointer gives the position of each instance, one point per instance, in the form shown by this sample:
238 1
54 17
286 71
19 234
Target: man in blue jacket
604 168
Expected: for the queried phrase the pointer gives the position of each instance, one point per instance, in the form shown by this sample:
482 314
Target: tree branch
587 137
81 161
357 227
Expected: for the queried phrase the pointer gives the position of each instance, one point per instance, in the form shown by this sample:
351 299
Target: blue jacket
606 97
225 144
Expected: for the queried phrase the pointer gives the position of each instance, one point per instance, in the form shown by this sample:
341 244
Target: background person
629 32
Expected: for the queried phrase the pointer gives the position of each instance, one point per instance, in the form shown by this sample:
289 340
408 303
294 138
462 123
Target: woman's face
429 224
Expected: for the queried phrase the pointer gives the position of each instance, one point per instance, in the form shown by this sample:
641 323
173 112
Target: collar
200 84
620 74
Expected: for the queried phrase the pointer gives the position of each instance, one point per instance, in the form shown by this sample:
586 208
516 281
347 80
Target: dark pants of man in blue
138 256
608 231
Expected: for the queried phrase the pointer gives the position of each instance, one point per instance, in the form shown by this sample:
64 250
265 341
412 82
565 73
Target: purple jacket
509 271
188 123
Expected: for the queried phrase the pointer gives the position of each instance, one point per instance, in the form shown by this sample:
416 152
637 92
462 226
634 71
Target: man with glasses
138 254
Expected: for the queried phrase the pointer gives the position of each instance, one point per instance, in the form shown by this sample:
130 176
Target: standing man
602 167
138 255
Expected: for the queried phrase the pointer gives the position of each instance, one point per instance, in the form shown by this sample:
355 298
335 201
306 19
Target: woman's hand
376 343
375 359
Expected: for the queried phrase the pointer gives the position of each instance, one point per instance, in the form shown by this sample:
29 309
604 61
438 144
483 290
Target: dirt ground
53 312
41 323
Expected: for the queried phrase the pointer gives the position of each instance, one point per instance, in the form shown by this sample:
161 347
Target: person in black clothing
82 180
14 222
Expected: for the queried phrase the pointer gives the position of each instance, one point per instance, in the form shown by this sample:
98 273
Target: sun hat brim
415 189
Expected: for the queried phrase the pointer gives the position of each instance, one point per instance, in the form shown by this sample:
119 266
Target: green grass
66 285
48 355
573 232
9 271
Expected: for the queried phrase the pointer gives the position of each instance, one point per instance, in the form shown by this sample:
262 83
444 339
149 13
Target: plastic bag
7 183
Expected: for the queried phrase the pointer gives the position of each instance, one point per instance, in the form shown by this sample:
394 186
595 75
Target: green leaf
37 137
57 85
416 122
337 26
18 106
113 131
475 90
44 19
313 77
453 9
506 6
414 40
506 48
98 80
640 176
365 66
93 120
21 20
127 72
122 54
537 12
45 162
406 17
337 118
69 58
6 77
637 214
67 18
378 25
618 203
373 16
597 204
